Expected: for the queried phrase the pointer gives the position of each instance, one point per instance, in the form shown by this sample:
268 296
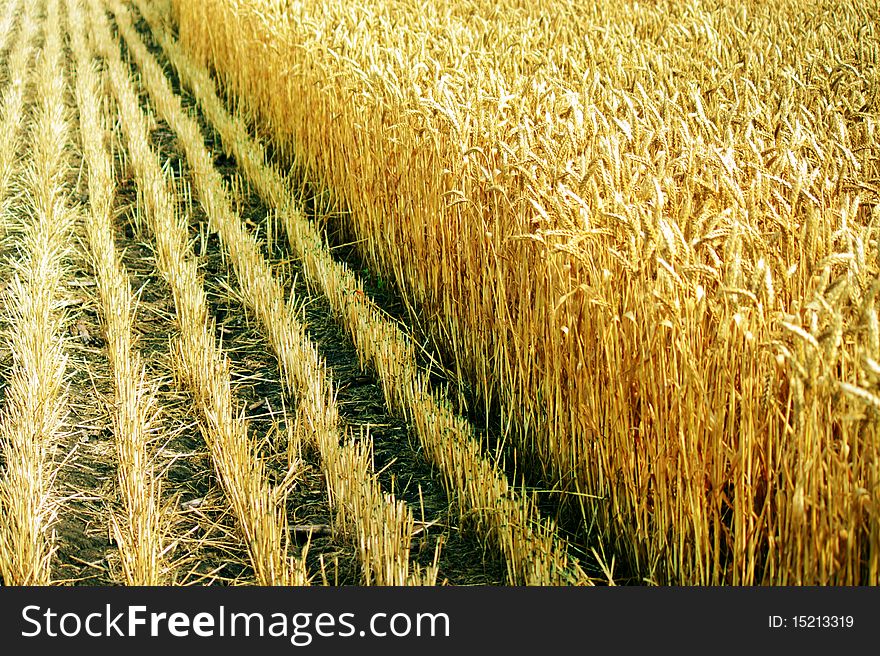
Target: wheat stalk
141 527
535 554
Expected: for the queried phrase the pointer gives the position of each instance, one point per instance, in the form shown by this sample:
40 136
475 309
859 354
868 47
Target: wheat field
445 293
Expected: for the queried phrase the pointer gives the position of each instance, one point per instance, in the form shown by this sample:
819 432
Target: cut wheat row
12 103
201 363
140 527
33 418
381 526
534 552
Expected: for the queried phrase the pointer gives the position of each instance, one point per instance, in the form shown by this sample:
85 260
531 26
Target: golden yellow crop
639 241
644 236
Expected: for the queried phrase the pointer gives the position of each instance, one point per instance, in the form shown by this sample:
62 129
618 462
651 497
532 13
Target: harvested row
33 417
534 552
140 526
381 526
12 103
201 362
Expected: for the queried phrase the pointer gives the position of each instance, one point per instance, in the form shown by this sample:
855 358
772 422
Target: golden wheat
12 103
141 526
604 214
534 553
6 22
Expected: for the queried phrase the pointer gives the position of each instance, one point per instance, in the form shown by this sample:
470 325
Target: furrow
140 527
12 102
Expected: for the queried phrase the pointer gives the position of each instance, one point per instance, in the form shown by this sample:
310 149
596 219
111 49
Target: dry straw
7 21
12 102
33 416
141 525
257 506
